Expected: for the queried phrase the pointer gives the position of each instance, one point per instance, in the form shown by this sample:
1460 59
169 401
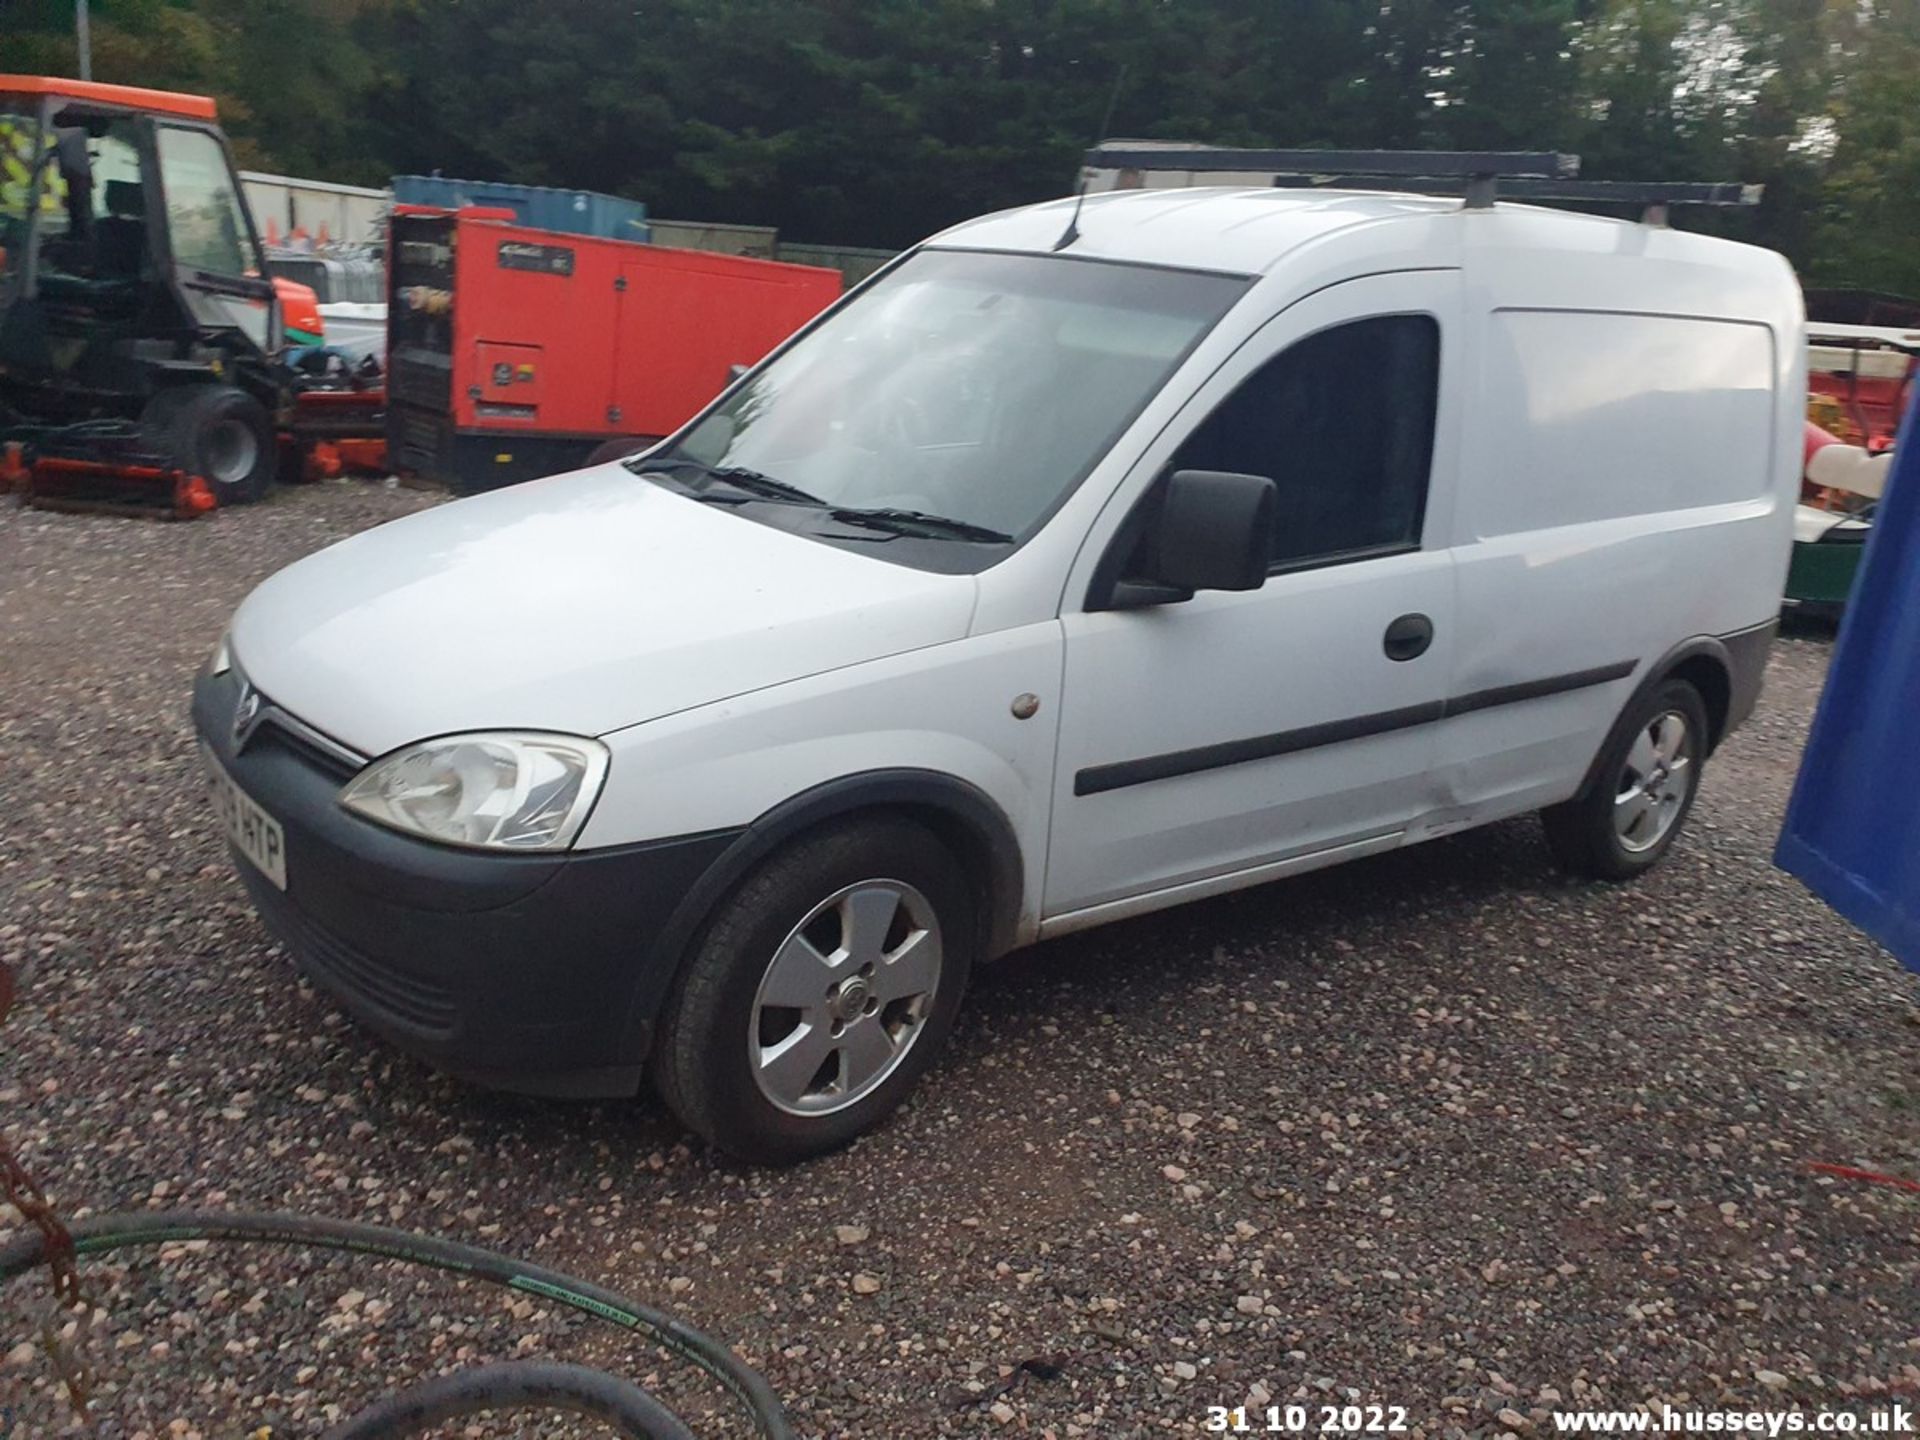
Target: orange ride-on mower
140 330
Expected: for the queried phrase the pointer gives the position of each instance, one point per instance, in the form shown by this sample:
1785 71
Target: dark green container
1822 571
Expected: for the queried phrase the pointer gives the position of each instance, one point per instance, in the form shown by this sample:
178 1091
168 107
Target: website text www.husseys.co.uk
1893 1419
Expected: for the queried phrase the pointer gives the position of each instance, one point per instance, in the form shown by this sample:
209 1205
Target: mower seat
120 236
1850 468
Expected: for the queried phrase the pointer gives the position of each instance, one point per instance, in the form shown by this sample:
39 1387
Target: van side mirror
1213 530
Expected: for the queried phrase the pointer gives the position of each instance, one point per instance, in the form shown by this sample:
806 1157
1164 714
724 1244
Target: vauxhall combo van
1060 573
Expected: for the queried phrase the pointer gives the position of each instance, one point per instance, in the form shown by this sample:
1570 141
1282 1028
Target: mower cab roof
121 97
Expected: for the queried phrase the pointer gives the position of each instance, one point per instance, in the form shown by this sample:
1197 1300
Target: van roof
1248 230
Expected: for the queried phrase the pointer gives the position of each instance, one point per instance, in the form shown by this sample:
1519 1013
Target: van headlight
501 790
221 660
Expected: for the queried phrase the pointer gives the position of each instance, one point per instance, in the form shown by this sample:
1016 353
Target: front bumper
535 973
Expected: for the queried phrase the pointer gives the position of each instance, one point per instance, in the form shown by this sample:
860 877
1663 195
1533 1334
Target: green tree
1513 68
878 121
1870 211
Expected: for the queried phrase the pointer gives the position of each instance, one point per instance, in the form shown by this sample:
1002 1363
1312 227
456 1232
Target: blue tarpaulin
1853 825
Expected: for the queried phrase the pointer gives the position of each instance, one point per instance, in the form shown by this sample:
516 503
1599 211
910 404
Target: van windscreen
972 387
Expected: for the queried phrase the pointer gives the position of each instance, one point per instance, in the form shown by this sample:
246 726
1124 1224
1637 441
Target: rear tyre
821 992
1647 781
224 436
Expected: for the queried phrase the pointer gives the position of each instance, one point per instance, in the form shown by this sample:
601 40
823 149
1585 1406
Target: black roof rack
1539 164
1476 175
1592 192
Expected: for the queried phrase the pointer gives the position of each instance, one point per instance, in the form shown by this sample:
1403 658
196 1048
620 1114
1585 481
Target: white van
1048 579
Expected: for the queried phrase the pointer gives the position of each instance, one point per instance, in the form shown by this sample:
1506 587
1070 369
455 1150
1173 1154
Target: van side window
1342 422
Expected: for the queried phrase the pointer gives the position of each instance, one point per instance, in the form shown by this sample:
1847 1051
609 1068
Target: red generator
514 353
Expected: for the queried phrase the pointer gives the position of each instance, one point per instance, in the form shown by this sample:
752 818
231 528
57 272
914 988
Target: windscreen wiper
919 522
735 477
764 486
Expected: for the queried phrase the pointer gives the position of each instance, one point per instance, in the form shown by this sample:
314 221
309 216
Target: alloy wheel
845 997
232 449
1654 782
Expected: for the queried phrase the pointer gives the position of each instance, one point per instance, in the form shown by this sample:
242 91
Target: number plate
254 833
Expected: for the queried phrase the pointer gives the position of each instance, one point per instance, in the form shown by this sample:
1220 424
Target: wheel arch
1712 675
1703 662
960 814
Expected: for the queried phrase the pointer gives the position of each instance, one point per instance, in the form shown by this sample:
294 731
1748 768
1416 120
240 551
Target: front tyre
821 992
1645 789
222 434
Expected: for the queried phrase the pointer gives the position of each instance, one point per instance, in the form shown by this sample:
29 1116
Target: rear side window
1589 417
1342 423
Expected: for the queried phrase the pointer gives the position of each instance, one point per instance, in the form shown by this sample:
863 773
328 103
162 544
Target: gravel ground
1439 1129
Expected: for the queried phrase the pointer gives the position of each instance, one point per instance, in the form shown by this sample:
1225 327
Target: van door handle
1407 637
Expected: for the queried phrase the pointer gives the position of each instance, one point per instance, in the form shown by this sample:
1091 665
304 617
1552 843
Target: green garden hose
509 1385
